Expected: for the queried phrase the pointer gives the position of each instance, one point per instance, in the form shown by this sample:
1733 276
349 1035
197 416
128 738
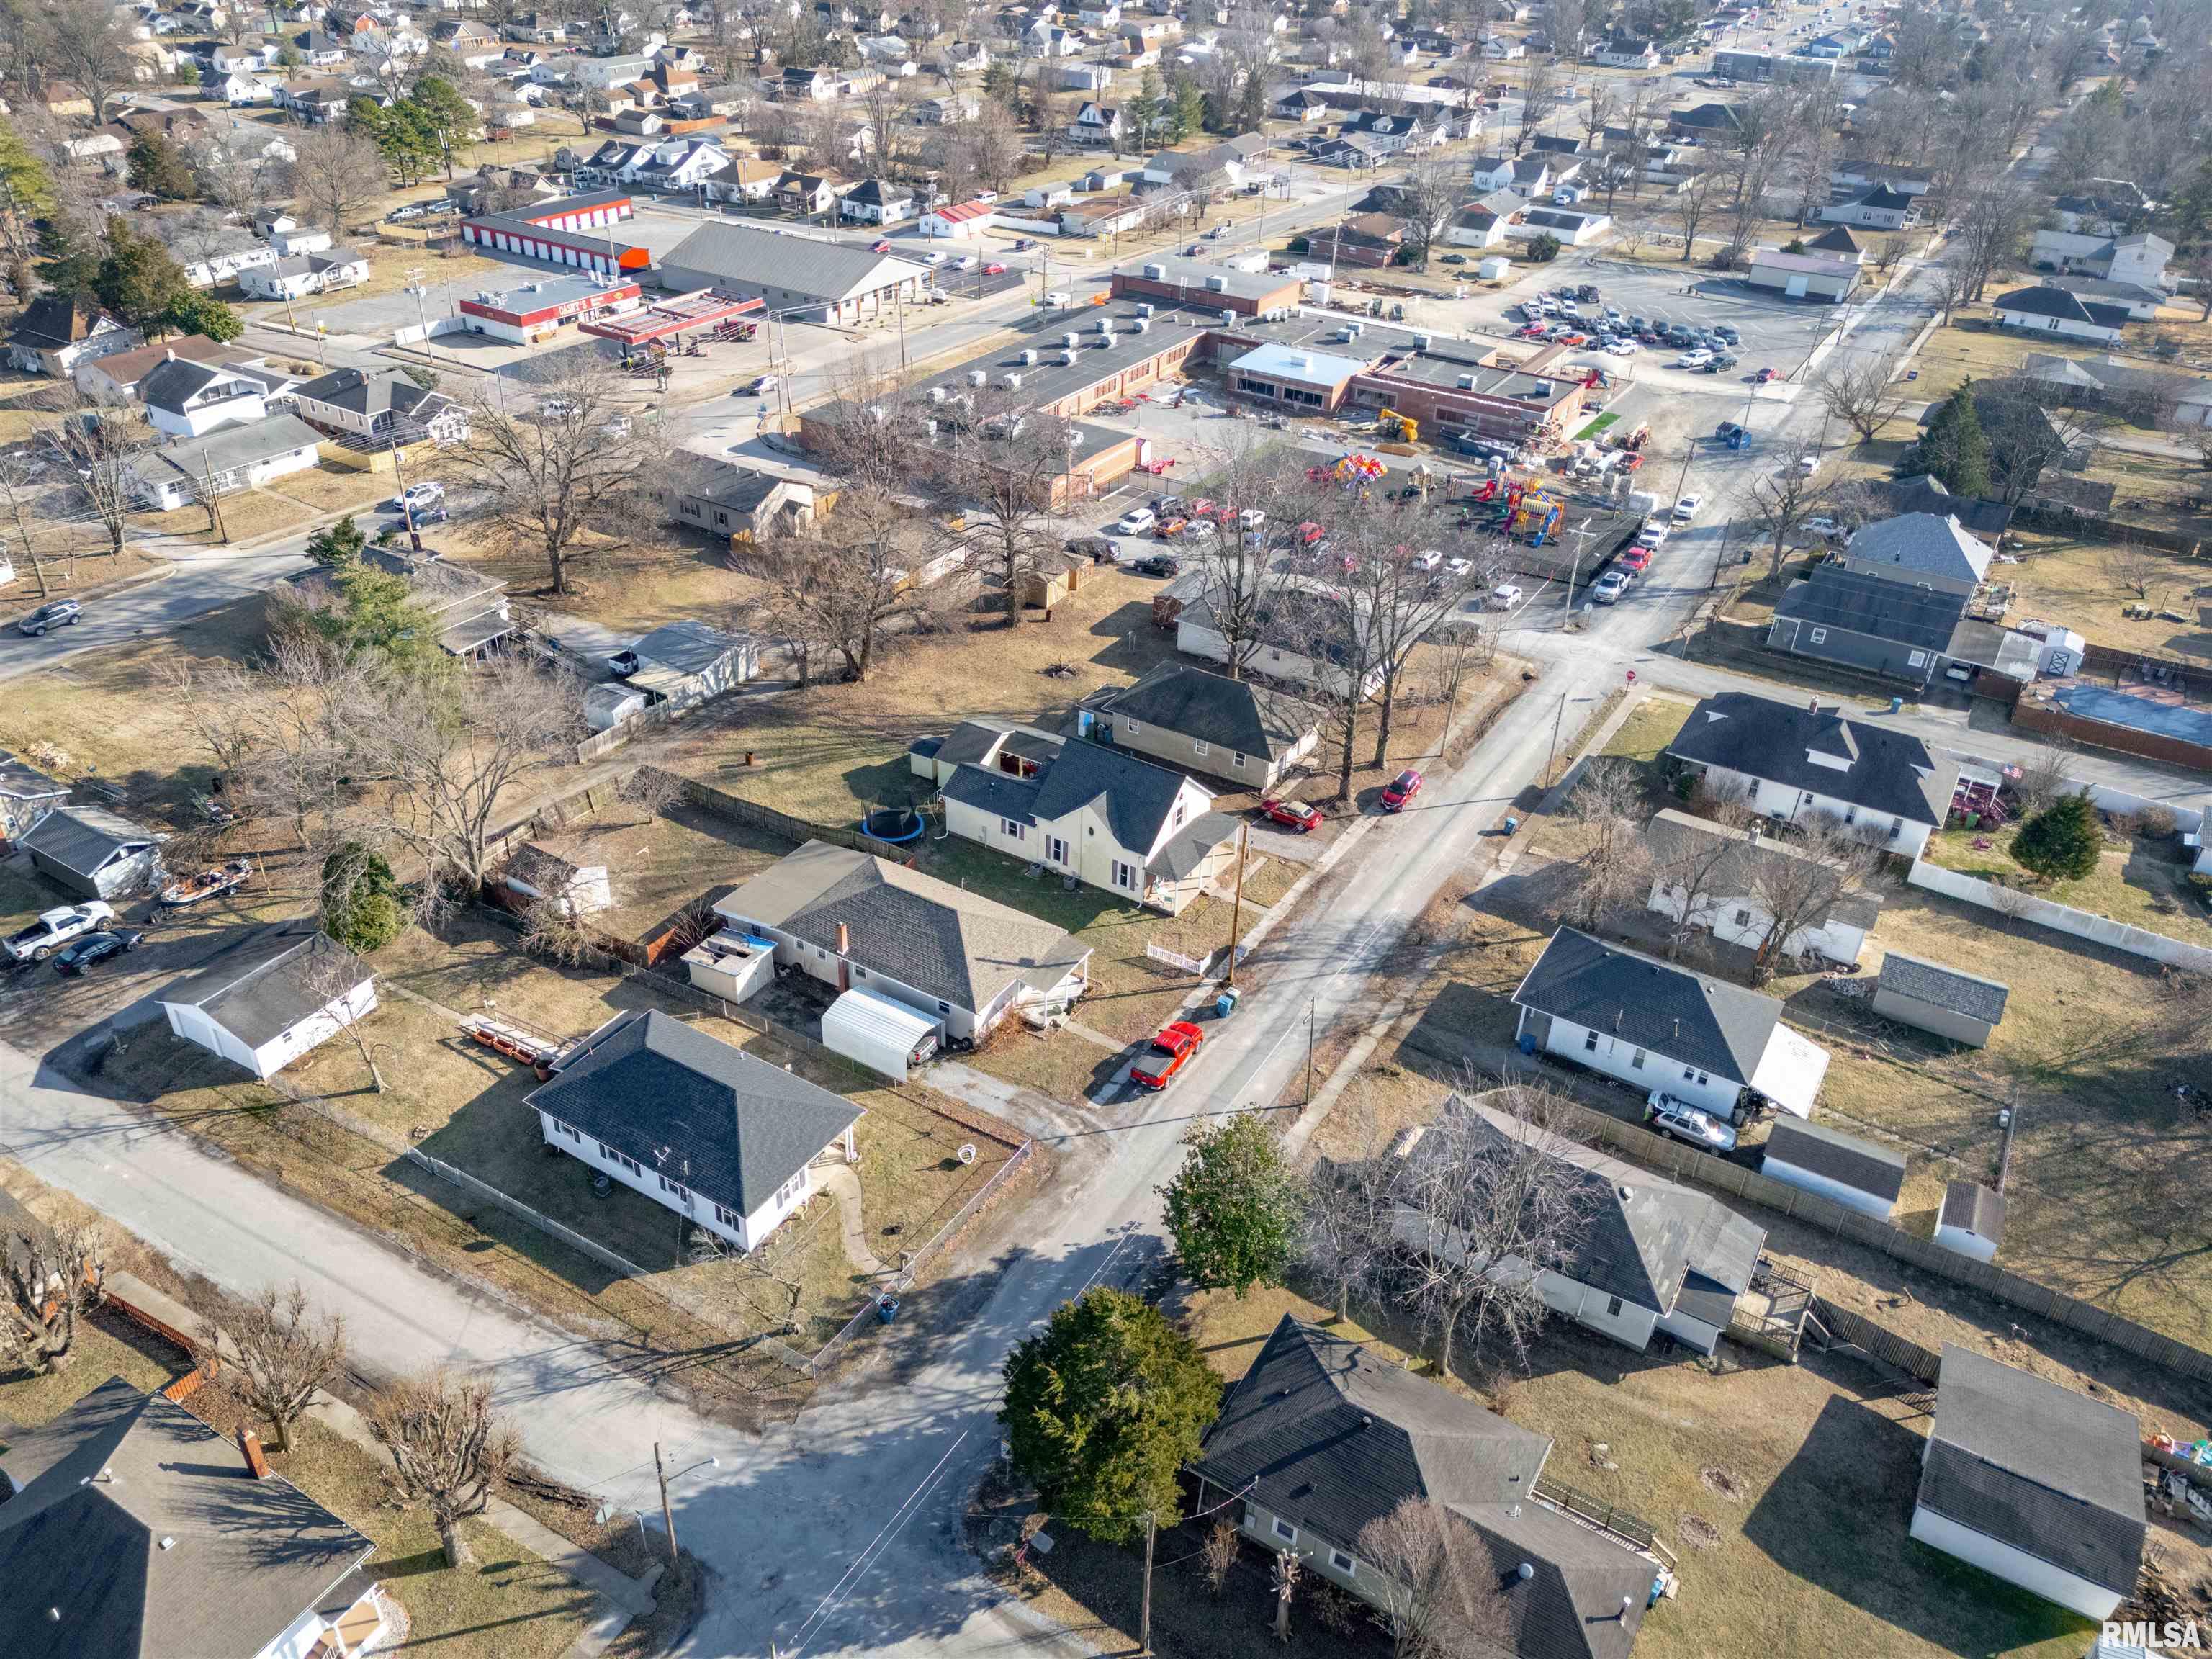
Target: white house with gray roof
858 922
1654 1026
1728 868
1141 831
700 1128
224 461
1653 1257
1239 731
263 1003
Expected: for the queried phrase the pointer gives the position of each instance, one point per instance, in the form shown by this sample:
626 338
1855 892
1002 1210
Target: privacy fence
2011 903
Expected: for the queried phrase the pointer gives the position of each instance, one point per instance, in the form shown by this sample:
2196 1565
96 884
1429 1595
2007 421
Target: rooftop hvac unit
1066 358
1145 310
1421 343
1228 319
1068 341
1105 325
978 377
937 394
1467 383
1216 285
1011 382
1144 325
1155 273
1347 333
1358 329
1029 355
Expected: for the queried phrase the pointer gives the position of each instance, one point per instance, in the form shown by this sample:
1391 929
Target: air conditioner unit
1155 273
1216 285
1105 325
1029 355
930 426
978 377
1145 310
1231 319
1011 382
1144 325
937 394
1066 358
1069 341
1421 343
1467 383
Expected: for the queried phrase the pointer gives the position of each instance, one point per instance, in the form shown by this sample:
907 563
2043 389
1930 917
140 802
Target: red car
1168 1053
1292 814
1401 789
1637 559
1533 332
881 245
1310 532
995 270
1766 375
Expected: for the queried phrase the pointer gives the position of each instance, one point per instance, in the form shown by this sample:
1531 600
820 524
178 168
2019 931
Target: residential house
134 1528
186 399
381 404
1979 516
803 85
1895 629
1484 223
303 274
240 90
314 101
1241 731
1365 238
670 81
468 608
1922 550
2140 303
1572 227
27 795
222 256
872 201
701 1129
92 852
1048 40
1664 1029
266 1001
1654 1258
676 165
620 71
706 103
1971 1222
317 50
1353 155
1534 177
747 178
56 332
1843 1168
114 379
1788 759
1706 124
947 112
1319 1440
1730 868
1624 52
1879 208
1931 997
227 460
1491 173
1096 123
2054 310
805 193
1394 135
1108 818
1837 243
475 44
735 503
1303 104
1285 648
1501 49
2033 1483
2140 259
857 922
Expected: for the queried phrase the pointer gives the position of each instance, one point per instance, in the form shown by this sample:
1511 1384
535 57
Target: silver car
1679 1120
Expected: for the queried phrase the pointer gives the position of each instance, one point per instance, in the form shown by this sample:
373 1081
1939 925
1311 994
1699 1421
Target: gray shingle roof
1189 847
19 781
1878 606
1888 772
2060 305
1978 1209
1977 515
1944 987
686 647
171 382
664 1092
79 838
370 394
246 1557
1819 1150
1922 543
2050 1472
941 940
748 257
1673 835
1686 1016
253 990
1134 796
1231 715
1000 793
230 447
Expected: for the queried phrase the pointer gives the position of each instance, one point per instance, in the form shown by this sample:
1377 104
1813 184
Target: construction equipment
1401 428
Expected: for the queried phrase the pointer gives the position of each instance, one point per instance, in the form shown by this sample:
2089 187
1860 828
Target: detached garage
1842 1167
285 990
880 1034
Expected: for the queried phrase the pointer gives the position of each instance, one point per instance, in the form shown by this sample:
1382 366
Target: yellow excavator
1402 428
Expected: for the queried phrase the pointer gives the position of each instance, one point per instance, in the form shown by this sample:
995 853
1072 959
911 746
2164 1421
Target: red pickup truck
1170 1052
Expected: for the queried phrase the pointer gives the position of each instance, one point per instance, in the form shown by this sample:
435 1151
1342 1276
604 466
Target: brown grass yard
2142 882
2064 579
648 576
660 867
328 488
246 516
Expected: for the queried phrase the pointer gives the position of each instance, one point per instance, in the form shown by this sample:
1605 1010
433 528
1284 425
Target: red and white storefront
536 311
559 233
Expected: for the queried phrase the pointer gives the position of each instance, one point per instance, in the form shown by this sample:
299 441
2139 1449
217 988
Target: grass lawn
1784 1491
2059 576
1650 726
106 1345
661 866
327 489
651 574
2143 883
245 517
1592 428
1974 348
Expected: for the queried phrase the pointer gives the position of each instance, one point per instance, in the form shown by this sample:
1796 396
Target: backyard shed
1964 1007
272 998
732 965
1495 269
611 702
1971 1220
92 852
882 1035
537 873
1854 1173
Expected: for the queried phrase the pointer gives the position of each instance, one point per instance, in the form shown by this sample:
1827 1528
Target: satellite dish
967 1151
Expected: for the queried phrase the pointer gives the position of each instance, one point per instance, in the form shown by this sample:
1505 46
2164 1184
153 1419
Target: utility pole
1581 536
1236 906
399 489
1313 1006
1145 1617
1552 757
667 1513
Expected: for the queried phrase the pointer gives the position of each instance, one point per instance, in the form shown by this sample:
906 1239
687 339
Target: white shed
1495 269
882 1035
268 1001
732 965
1971 1220
1854 1173
611 702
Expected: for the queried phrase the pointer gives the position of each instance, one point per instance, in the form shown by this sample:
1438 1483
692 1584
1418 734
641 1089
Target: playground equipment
1535 507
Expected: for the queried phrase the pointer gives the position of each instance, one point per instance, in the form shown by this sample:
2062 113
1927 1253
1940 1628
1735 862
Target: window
1636 1059
570 1131
1196 747
1286 1531
1689 1074
1343 1563
621 1159
1590 1040
943 1007
1612 1307
1124 875
1820 636
1742 918
1130 726
1178 816
1009 828
1916 659
1896 828
1236 761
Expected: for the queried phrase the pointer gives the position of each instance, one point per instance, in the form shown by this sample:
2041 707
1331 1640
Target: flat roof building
836 282
559 233
537 310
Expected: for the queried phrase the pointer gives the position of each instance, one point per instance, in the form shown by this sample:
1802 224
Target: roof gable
1237 715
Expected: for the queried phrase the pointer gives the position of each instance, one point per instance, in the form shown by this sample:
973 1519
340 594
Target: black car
80 954
1156 564
1454 258
1099 550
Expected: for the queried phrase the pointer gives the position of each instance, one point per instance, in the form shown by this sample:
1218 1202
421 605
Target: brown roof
126 368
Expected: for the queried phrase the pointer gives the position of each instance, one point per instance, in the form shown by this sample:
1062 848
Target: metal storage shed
880 1034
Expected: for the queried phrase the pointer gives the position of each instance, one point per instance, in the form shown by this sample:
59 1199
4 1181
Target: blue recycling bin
887 1307
1226 1004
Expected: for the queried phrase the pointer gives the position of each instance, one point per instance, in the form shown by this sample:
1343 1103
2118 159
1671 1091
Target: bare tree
282 1353
1783 496
1862 393
2132 566
839 592
1691 201
1987 233
550 475
1406 589
1698 870
1952 287
1344 1236
449 1450
1828 861
1437 1591
1485 1209
85 47
20 491
53 1276
1429 193
1289 1568
100 449
336 172
1244 579
997 468
1615 868
276 730
2043 779
1218 1552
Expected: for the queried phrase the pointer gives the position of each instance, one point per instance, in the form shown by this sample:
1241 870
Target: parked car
1156 564
60 613
1728 334
965 262
1430 558
994 269
1766 375
1024 244
1401 789
1686 509
1167 1054
1454 258
1135 522
1609 588
881 245
1679 1120
1097 549
1809 465
1251 519
1504 597
1694 360
55 928
82 952
1637 559
1826 527
1291 814
1169 528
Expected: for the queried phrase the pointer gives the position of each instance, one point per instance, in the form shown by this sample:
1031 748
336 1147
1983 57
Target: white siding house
286 990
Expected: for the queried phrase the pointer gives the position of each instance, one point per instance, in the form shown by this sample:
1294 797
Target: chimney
169 356
1813 706
250 1443
844 939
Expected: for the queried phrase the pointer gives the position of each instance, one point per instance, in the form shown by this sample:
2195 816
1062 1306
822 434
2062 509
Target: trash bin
1896 705
1226 1004
887 1307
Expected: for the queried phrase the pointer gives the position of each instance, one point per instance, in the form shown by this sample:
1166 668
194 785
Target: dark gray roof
1187 847
1682 1015
1977 1209
943 941
1232 715
664 1092
110 1482
1856 602
170 383
968 743
2057 304
1837 239
253 990
2052 1473
752 258
1000 793
229 446
1134 796
1819 1150
1585 1600
1883 200
1723 1254
1944 987
81 838
370 394
1977 515
1923 544
57 319
1888 772
21 782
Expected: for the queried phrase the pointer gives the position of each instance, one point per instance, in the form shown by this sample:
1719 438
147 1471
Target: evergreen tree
1189 112
194 312
1144 112
445 116
1233 1206
1252 103
1955 447
376 616
136 279
362 907
158 167
1103 1407
338 543
2063 842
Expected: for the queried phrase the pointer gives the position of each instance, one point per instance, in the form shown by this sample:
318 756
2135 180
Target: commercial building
559 233
538 310
821 282
1216 287
1804 275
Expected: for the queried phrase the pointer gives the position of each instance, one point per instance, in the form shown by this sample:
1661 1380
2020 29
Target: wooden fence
1878 1340
722 804
1682 1162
